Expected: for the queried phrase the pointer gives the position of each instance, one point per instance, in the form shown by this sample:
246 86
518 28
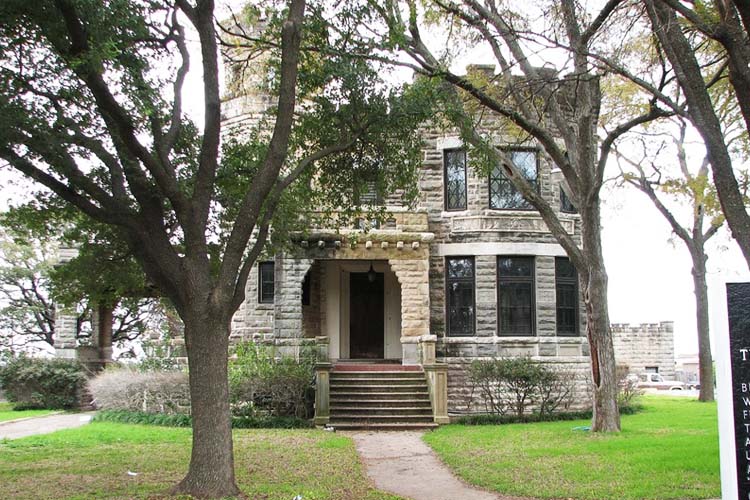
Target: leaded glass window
503 195
566 205
566 293
265 282
455 179
515 285
460 295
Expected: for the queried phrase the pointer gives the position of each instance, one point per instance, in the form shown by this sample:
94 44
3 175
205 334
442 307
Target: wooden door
366 316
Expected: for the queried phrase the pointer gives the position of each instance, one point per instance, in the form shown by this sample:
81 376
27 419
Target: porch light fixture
371 274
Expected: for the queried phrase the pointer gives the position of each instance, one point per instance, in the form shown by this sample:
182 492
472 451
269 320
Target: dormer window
503 194
454 166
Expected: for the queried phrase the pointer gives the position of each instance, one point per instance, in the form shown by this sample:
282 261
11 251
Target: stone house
471 271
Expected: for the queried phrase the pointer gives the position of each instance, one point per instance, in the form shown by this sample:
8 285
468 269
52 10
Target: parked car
656 381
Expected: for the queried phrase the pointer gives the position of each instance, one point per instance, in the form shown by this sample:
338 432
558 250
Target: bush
143 418
262 385
628 391
486 419
120 388
34 383
518 384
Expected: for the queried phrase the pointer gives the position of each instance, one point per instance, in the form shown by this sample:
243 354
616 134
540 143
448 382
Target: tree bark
606 415
211 472
705 361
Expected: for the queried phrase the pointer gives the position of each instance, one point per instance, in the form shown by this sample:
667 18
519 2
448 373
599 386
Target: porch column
66 325
290 273
413 276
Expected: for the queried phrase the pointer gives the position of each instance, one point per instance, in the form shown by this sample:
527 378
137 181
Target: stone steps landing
379 397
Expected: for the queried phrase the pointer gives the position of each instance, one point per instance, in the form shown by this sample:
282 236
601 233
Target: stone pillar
413 277
322 382
290 273
437 379
66 322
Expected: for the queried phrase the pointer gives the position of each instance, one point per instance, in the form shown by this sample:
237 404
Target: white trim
449 142
500 248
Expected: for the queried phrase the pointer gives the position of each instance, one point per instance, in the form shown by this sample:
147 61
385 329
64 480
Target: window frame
511 150
448 282
261 288
566 280
445 180
500 280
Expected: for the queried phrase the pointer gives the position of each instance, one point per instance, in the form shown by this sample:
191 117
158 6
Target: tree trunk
705 360
606 416
211 472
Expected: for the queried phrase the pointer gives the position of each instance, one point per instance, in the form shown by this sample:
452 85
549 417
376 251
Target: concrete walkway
402 464
43 425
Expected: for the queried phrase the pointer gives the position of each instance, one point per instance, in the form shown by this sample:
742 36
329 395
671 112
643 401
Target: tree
34 282
91 99
560 112
718 21
697 190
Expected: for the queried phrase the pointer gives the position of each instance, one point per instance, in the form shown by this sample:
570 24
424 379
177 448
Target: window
566 293
454 162
265 282
652 369
503 195
515 287
566 205
460 295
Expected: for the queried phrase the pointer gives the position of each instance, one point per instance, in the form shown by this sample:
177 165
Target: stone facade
646 347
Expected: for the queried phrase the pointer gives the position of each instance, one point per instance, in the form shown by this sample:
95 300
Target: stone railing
322 382
396 219
437 379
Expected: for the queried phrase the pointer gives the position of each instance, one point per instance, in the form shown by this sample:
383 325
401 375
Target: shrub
120 388
628 391
518 384
261 384
143 418
485 419
34 383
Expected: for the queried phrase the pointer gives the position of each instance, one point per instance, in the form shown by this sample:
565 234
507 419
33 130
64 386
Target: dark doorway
366 312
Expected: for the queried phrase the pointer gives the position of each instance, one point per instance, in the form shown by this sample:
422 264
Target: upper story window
566 205
454 165
459 282
266 282
566 294
515 295
503 195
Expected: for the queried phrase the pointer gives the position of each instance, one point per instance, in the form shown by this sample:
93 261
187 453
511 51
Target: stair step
376 394
383 418
385 426
368 411
379 403
379 387
377 380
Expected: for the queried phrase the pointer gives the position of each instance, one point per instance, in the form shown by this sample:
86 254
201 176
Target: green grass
668 451
7 412
93 462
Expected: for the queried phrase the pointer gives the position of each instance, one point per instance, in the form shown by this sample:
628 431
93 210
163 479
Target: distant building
646 348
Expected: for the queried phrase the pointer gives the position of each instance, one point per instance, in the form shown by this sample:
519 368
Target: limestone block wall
253 321
463 399
645 345
311 313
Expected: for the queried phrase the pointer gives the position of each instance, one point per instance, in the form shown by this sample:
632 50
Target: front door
366 313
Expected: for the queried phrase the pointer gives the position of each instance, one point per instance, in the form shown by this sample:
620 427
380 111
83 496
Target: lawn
107 460
7 412
670 450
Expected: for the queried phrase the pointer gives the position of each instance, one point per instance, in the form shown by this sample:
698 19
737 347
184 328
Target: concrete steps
384 399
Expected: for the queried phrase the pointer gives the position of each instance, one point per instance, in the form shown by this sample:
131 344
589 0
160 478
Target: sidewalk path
43 425
402 464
